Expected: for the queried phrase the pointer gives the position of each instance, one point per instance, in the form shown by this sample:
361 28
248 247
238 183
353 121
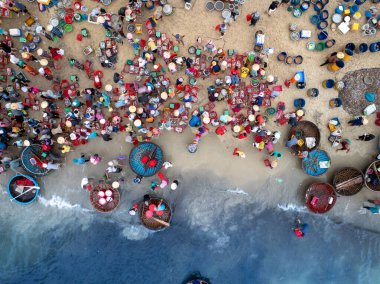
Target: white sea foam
292 207
60 203
135 233
237 191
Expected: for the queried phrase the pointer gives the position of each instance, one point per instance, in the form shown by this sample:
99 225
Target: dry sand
284 185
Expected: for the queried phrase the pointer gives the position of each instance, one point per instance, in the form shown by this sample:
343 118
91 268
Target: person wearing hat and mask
106 137
174 185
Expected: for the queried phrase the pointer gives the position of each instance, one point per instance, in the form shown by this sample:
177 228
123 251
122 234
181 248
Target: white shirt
13 59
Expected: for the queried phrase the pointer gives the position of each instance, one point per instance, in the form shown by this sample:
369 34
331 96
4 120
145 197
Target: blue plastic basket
310 165
152 151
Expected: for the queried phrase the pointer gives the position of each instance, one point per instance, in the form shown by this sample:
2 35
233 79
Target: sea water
220 231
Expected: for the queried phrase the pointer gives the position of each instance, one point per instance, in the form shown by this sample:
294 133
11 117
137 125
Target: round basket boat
372 176
317 163
320 197
104 198
156 220
146 159
303 130
348 181
32 158
23 189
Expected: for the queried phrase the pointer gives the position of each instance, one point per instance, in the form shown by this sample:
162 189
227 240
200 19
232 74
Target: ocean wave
60 203
291 207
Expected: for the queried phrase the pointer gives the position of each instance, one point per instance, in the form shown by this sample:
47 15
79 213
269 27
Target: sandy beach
280 189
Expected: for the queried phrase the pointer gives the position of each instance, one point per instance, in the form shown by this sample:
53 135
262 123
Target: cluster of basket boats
145 160
321 197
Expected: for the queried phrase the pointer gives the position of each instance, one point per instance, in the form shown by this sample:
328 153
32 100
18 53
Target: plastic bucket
320 46
328 84
305 6
350 46
339 9
314 19
322 25
360 2
298 60
68 28
149 5
282 56
324 15
323 35
330 43
337 18
332 67
354 9
77 17
363 47
347 54
313 92
374 47
210 6
289 60
318 6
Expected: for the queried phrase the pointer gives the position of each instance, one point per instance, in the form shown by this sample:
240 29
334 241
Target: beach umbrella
146 159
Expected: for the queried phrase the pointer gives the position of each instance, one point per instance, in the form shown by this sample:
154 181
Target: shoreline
215 153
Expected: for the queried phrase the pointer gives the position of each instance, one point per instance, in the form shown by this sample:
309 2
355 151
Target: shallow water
217 230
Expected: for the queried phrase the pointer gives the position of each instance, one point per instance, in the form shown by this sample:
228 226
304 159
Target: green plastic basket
320 46
270 111
68 28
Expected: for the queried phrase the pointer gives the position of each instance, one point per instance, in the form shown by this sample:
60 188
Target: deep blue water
231 241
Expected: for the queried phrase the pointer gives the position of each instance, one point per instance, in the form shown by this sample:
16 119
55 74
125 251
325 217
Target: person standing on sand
255 17
95 159
272 7
132 211
179 38
276 154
